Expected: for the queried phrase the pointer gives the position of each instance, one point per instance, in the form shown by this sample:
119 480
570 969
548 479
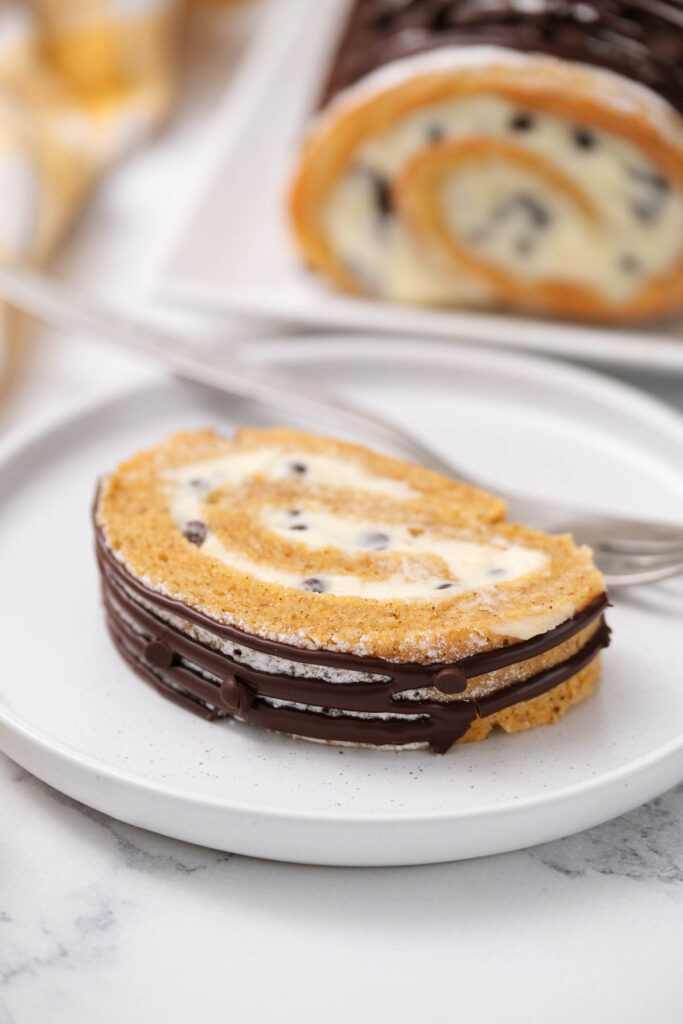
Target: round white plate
73 713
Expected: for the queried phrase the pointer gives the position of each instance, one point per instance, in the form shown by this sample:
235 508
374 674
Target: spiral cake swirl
320 589
526 157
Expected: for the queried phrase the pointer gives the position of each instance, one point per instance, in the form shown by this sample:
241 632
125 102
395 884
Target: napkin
81 83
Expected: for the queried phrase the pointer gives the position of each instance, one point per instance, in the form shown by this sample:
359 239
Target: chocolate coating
215 685
230 693
158 654
450 680
639 39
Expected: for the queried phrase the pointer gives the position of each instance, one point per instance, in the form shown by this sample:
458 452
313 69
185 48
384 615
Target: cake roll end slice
487 177
319 589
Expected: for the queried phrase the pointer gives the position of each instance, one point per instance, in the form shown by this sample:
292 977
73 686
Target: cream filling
462 566
534 625
198 479
467 566
640 216
383 716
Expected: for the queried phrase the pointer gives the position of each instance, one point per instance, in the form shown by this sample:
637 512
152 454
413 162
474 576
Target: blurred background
109 115
104 108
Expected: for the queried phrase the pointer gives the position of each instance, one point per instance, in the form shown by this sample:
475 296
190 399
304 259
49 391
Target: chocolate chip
158 654
584 139
298 526
524 245
629 263
450 680
294 512
653 188
441 20
521 122
443 586
237 653
374 539
383 200
535 211
199 485
195 532
435 133
647 212
298 467
538 213
315 584
652 178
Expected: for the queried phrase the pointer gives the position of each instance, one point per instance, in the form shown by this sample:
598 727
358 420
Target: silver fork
628 551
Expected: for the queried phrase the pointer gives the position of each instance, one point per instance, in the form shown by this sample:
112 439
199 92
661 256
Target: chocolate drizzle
640 39
215 685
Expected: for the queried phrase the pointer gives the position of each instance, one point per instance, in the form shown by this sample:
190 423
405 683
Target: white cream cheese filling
468 566
198 479
383 716
461 566
638 233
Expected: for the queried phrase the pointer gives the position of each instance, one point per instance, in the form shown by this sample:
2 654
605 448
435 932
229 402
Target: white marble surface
101 922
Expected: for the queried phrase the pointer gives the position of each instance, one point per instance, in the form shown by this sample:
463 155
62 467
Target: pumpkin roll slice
319 589
447 166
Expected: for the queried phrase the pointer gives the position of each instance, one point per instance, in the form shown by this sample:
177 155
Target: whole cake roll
321 590
524 155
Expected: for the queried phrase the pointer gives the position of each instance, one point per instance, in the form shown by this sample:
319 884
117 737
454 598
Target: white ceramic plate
72 712
230 247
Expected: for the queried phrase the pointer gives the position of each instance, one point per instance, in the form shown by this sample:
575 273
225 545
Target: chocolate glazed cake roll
522 155
321 590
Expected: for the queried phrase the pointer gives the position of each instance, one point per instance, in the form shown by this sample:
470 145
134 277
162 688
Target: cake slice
319 589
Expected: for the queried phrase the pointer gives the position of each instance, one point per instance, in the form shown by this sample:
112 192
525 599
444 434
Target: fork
627 551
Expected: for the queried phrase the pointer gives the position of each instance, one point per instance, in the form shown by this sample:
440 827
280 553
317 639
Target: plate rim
68 755
579 380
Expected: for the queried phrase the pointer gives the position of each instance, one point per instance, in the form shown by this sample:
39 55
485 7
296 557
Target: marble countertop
103 923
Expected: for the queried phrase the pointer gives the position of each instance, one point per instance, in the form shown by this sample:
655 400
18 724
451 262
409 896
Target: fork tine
636 529
631 545
643 561
630 579
630 569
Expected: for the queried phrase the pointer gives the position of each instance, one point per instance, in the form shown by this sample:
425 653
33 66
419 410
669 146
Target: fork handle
69 310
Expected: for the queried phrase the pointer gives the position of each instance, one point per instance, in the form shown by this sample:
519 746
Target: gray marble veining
646 844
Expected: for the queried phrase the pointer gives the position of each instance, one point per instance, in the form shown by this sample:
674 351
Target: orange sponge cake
322 590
